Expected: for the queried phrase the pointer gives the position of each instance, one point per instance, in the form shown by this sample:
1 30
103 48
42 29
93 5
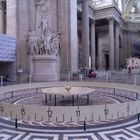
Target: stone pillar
85 34
67 26
100 53
12 16
1 17
73 37
93 49
117 51
111 43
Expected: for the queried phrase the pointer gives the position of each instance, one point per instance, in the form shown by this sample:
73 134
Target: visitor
91 74
83 71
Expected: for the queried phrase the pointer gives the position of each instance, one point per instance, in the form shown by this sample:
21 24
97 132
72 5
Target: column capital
117 24
93 22
110 19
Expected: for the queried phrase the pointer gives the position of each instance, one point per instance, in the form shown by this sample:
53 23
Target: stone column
117 51
12 16
1 17
93 49
111 43
100 53
85 34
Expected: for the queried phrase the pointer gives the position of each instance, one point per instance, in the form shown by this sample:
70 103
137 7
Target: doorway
107 61
7 69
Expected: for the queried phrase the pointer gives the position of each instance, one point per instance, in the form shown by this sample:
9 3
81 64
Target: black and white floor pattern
128 129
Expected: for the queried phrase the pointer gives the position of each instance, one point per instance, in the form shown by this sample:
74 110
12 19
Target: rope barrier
27 77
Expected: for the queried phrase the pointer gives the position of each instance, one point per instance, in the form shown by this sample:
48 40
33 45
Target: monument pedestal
44 68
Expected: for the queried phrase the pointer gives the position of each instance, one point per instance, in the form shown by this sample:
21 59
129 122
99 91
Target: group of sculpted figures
43 44
40 40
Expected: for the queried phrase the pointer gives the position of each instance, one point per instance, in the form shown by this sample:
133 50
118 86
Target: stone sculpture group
40 44
41 41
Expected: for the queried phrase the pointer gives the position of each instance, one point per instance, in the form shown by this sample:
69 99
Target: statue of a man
32 39
41 13
55 44
44 26
47 43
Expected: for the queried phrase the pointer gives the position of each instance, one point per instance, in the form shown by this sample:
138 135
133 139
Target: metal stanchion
1 81
137 95
107 76
81 77
84 125
72 100
46 98
16 124
135 80
88 99
114 91
138 117
30 78
77 99
55 100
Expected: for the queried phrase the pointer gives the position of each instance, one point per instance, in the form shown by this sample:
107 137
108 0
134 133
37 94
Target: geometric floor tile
39 136
135 129
119 134
127 130
6 134
82 136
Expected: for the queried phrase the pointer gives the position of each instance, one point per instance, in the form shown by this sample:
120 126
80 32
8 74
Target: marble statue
41 13
41 40
47 43
40 44
44 26
55 44
32 39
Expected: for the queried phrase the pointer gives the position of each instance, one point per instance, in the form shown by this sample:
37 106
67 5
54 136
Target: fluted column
111 43
117 51
1 17
85 34
93 49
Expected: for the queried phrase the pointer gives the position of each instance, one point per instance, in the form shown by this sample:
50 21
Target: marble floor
128 129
